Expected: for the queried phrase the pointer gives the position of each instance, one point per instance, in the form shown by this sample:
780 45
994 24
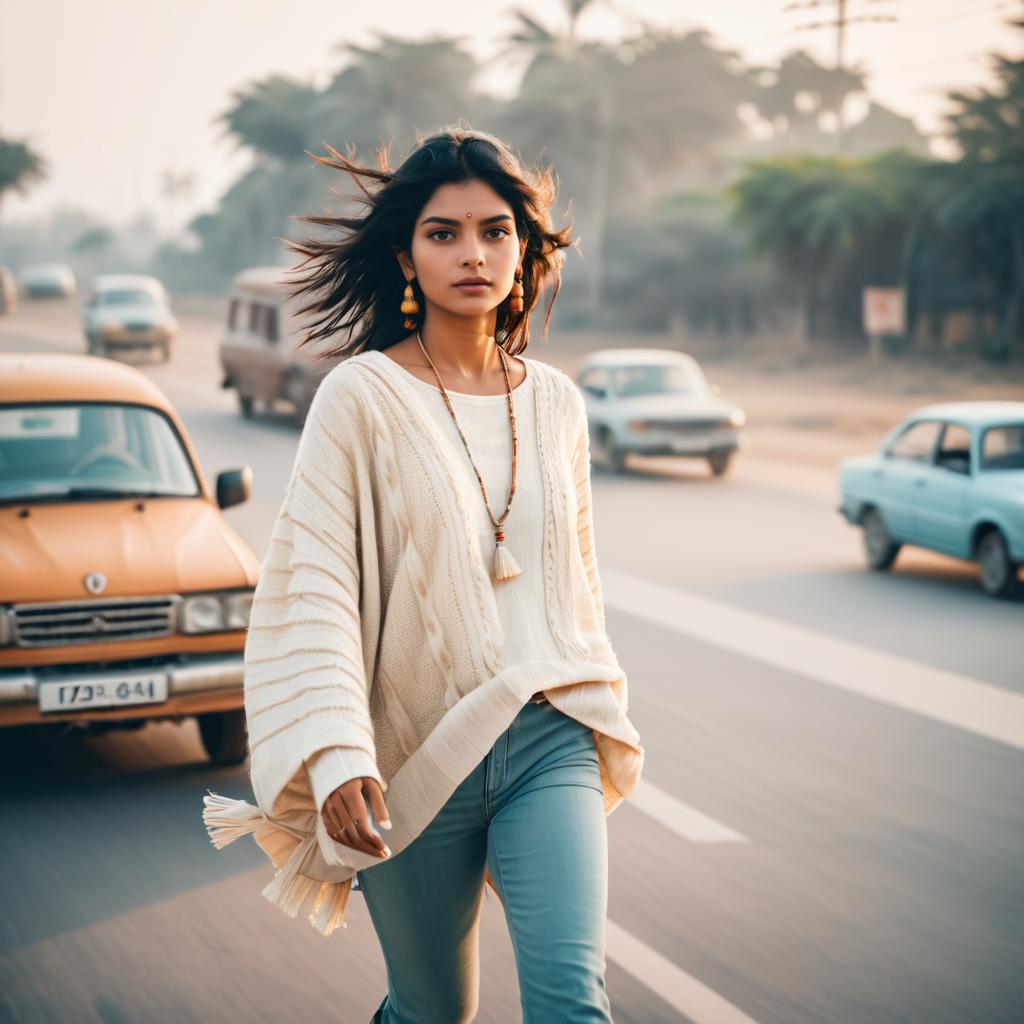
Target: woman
427 652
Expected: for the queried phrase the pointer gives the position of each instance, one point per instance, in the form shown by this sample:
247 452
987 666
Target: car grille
687 426
59 623
136 325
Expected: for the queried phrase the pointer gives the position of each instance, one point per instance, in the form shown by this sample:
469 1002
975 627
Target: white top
485 422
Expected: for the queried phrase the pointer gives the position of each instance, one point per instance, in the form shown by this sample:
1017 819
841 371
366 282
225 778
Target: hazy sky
115 92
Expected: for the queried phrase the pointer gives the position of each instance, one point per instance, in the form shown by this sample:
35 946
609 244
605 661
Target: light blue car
950 478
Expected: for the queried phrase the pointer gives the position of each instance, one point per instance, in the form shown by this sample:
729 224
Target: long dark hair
354 286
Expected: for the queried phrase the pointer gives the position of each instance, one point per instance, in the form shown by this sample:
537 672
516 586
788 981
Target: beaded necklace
505 566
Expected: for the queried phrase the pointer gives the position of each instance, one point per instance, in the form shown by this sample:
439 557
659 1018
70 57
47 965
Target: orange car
124 594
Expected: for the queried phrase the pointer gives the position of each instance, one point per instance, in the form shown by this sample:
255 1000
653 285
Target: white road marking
680 818
956 700
680 990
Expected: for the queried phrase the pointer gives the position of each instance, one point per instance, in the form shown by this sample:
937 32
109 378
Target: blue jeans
532 812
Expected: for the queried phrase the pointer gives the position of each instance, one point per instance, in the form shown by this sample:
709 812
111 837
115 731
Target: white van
259 351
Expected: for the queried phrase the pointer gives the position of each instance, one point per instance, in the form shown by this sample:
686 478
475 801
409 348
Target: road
829 828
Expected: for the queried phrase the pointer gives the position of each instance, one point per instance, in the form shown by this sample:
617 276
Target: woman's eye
501 231
440 231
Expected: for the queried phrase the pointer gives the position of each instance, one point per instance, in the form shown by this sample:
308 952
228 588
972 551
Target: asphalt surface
868 861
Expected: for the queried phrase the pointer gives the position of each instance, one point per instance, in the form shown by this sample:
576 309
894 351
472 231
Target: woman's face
464 231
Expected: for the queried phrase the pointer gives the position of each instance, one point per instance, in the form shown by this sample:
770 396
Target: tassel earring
515 304
410 307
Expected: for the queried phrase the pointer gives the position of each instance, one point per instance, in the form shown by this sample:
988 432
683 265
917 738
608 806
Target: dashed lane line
672 984
687 822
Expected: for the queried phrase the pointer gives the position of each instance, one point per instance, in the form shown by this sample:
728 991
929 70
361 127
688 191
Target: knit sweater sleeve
306 686
580 433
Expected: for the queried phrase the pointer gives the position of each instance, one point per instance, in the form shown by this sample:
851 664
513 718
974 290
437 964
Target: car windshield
90 451
1003 447
127 297
657 379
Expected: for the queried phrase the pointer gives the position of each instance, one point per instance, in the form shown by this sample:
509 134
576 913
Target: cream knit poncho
375 633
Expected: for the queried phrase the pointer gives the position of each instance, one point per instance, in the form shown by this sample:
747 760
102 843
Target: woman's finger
332 821
377 805
359 820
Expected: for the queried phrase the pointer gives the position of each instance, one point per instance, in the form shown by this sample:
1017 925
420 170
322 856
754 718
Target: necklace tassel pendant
505 566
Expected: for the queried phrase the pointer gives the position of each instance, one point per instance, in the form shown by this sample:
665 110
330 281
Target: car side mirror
234 486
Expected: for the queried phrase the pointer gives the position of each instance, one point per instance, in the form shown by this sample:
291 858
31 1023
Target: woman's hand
346 807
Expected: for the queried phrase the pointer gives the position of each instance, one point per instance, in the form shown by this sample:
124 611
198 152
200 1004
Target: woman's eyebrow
455 223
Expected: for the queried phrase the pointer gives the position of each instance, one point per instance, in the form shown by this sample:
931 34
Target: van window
234 308
271 322
255 316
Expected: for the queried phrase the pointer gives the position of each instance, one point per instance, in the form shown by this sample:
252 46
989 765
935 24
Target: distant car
259 353
8 292
656 402
47 280
125 311
949 478
124 593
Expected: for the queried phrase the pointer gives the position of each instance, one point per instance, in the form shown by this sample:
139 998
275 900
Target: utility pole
842 19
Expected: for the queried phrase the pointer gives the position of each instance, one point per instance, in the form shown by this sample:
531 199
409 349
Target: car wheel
224 736
614 456
998 573
245 404
880 549
719 462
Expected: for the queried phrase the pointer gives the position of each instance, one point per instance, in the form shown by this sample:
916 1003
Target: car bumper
147 340
705 444
195 684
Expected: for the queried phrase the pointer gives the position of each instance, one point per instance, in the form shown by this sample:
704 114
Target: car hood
173 545
677 406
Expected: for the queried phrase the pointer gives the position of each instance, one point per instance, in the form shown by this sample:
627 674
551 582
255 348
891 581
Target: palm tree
988 207
807 214
392 90
20 167
270 118
565 97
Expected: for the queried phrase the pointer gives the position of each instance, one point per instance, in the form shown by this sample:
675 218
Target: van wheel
224 736
880 550
998 573
245 404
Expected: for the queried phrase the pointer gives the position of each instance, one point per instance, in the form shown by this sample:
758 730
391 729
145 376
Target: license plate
106 692
687 444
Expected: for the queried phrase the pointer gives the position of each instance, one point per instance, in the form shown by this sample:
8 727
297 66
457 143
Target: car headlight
5 628
637 425
737 418
215 613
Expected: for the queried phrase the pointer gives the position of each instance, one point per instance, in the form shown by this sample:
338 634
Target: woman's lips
472 287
